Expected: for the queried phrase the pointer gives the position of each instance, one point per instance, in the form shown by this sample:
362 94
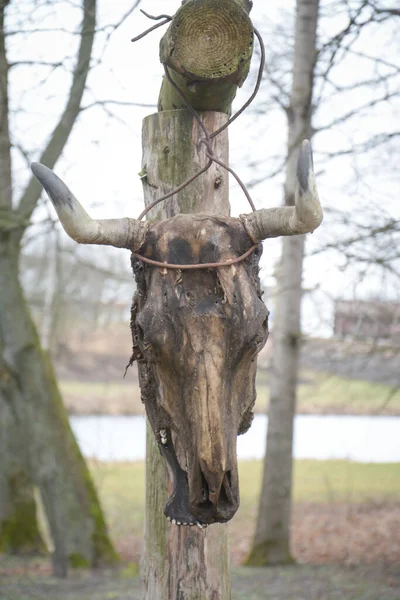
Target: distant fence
364 320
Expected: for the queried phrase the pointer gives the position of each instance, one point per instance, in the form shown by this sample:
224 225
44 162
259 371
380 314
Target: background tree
271 543
50 457
70 295
337 103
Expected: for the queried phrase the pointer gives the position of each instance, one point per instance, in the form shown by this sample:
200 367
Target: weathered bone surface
196 334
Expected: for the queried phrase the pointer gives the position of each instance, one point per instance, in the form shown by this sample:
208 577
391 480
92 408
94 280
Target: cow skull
196 334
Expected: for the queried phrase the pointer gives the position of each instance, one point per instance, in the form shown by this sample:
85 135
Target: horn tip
41 172
36 168
56 189
304 165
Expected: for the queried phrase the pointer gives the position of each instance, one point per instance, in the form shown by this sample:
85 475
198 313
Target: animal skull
196 334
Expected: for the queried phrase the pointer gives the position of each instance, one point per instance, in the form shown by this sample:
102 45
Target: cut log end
209 40
208 48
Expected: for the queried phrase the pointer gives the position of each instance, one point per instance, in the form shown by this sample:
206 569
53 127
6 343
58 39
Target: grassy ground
345 514
319 393
121 485
337 498
290 583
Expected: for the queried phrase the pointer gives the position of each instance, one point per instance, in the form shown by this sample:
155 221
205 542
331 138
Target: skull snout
215 498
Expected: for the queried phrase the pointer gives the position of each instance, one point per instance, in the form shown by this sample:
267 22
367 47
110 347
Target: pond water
358 438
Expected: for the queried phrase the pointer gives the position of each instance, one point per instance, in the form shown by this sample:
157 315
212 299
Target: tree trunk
181 563
17 532
271 542
51 457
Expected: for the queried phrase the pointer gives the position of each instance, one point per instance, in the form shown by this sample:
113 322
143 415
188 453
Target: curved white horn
121 233
304 217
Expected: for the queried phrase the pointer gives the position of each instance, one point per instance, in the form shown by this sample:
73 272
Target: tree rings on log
208 43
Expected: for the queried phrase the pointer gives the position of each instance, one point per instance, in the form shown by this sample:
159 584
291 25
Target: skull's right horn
121 233
304 217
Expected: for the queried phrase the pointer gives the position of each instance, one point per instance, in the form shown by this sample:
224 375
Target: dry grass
345 514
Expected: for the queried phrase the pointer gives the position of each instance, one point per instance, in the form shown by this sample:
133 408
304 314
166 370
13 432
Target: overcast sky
103 158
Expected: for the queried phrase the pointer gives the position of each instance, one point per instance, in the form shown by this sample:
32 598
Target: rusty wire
166 19
206 140
225 263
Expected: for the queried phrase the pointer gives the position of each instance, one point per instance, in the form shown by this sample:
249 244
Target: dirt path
302 582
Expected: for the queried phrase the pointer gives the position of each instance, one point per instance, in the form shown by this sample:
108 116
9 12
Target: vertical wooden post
181 563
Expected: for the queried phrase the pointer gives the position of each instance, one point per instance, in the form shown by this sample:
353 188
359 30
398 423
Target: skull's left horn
121 233
304 217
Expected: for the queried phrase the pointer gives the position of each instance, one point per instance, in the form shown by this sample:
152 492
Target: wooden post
181 563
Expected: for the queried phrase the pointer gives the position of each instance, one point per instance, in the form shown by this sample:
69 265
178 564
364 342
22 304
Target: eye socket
139 335
262 334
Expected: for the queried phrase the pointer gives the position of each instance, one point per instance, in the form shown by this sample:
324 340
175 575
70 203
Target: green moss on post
207 49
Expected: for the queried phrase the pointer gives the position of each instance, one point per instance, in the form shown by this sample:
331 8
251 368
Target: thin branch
358 110
40 63
103 103
122 19
366 146
26 156
388 11
67 120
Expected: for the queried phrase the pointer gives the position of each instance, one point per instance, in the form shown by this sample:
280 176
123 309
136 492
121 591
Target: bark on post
183 563
207 51
271 543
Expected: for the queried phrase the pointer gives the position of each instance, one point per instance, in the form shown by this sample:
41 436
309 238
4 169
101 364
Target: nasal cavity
216 488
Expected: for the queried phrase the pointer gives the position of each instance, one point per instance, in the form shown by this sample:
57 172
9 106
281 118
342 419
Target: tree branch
388 11
123 18
67 120
117 103
40 63
5 144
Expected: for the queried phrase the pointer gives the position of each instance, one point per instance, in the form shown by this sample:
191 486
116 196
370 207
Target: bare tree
49 457
366 238
271 542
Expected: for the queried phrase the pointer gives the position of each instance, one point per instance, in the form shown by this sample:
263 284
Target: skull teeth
185 524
